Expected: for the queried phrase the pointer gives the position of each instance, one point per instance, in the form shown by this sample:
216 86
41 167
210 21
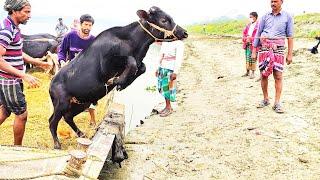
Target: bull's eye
163 20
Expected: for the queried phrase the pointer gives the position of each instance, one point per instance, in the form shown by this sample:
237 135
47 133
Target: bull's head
161 25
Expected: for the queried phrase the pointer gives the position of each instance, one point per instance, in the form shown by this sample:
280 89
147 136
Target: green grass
306 25
219 28
40 108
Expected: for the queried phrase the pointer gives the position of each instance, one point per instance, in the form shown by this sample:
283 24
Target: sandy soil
218 133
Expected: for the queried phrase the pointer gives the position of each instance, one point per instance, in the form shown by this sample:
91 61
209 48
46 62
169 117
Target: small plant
151 88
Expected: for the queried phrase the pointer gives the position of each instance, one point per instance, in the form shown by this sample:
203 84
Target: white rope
167 33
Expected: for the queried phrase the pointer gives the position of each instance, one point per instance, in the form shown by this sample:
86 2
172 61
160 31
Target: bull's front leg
141 70
130 70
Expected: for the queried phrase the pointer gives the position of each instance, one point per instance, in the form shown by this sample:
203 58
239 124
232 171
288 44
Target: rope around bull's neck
167 33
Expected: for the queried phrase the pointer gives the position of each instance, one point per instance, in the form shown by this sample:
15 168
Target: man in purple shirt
73 43
274 28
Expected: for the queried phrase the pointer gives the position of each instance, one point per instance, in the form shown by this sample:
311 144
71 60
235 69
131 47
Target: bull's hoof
112 81
57 145
119 87
81 135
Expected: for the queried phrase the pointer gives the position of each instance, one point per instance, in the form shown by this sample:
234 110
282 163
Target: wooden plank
97 154
102 141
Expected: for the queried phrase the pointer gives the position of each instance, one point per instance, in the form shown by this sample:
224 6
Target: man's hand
173 76
32 81
63 63
46 65
156 73
254 54
248 39
289 59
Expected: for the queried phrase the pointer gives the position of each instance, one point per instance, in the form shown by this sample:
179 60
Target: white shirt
251 29
172 55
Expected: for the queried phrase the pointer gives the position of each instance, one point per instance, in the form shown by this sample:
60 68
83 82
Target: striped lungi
11 96
165 86
250 63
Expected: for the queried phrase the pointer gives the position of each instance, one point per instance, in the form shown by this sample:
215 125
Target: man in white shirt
170 63
61 28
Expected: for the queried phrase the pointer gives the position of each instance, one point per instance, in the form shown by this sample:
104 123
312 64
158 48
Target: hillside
306 25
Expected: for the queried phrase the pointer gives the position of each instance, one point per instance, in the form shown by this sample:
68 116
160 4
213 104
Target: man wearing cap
12 60
73 43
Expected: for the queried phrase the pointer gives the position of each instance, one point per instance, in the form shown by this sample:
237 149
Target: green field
307 25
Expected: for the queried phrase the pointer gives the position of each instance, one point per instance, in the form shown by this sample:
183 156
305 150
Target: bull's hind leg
60 104
72 112
53 125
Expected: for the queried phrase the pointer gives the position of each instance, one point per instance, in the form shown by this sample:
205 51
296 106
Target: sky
121 12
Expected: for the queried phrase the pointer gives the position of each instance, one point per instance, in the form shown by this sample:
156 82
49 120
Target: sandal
166 113
263 104
162 111
277 108
258 80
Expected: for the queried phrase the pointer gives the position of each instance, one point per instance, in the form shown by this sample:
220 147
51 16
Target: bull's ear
142 14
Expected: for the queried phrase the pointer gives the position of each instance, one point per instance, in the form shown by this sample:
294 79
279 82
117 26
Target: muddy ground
218 133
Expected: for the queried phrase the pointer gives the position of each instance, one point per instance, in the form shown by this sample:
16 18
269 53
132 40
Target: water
137 100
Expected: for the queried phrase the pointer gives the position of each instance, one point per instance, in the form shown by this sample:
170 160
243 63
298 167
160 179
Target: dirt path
217 132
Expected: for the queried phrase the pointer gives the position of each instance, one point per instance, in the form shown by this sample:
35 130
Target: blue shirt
73 44
280 25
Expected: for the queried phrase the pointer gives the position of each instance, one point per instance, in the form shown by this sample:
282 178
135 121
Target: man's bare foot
92 124
245 75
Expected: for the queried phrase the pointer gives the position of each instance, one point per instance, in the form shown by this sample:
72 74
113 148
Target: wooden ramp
103 139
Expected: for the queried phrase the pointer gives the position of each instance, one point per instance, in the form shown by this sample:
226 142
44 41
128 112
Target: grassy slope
307 25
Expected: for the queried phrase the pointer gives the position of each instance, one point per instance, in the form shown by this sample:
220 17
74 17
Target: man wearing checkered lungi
170 63
248 35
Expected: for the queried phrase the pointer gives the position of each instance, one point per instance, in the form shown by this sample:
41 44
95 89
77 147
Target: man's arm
244 34
56 28
63 49
5 66
256 40
290 40
159 64
179 56
290 50
35 61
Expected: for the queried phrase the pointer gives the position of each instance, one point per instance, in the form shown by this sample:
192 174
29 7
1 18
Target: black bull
116 52
38 45
314 50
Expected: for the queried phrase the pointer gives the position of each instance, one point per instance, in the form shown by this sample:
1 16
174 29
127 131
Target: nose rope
166 32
